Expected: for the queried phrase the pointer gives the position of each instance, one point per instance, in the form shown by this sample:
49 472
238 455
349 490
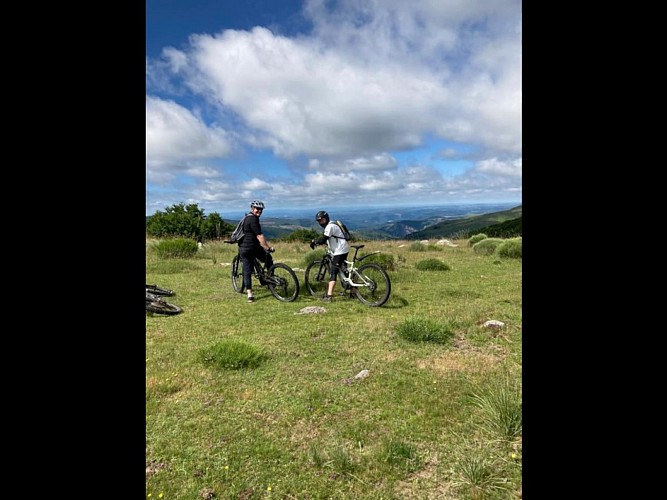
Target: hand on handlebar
312 245
271 250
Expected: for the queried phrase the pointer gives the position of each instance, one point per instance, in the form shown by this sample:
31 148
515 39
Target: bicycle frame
279 278
351 268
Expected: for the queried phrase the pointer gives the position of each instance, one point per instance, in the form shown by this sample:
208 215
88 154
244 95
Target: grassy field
249 401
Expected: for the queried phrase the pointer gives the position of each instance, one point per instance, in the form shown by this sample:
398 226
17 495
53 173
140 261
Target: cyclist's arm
321 240
262 241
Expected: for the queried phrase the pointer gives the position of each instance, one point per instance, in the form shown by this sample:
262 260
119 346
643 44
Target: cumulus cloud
340 104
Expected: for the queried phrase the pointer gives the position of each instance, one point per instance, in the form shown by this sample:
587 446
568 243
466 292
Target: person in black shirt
253 245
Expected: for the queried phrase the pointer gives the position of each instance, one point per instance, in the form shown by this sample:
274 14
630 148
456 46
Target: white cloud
373 79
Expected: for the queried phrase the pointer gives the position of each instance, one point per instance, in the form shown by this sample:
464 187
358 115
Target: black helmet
321 215
257 204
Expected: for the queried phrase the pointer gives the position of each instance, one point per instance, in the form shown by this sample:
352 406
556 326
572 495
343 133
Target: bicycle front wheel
162 307
373 283
317 277
283 283
237 274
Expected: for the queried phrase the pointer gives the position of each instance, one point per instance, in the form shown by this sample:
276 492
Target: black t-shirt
252 228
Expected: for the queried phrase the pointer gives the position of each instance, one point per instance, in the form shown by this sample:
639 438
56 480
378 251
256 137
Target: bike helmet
257 204
321 215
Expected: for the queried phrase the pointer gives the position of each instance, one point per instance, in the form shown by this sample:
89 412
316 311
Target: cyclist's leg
337 261
248 259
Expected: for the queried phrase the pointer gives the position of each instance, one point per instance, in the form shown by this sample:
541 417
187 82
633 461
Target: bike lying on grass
156 304
368 282
280 279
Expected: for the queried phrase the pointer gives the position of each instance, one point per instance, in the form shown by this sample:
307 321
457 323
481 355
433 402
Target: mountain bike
156 304
280 279
368 282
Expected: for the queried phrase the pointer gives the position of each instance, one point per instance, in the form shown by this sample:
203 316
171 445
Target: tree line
189 221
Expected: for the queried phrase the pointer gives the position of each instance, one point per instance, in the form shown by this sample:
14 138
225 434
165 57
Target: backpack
346 233
238 233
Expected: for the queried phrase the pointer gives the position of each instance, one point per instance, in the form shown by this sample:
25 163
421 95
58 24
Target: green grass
256 401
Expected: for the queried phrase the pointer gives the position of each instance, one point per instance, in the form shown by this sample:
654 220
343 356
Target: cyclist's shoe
251 299
327 298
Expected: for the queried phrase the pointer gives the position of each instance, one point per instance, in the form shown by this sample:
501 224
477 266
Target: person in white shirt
333 236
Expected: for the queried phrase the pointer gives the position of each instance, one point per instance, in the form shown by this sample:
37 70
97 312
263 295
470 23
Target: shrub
476 238
386 260
312 256
425 330
487 246
302 235
176 248
432 265
511 248
418 246
232 355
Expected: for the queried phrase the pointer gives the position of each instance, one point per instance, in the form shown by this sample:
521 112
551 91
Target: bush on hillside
432 265
176 248
302 235
487 246
476 238
511 248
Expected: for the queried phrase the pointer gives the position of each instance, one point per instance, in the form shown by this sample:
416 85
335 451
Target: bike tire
156 290
379 290
317 277
283 283
163 307
237 274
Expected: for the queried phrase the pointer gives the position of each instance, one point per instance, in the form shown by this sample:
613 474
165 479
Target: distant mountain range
407 223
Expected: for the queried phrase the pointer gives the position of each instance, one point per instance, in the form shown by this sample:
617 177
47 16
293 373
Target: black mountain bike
156 304
368 282
280 279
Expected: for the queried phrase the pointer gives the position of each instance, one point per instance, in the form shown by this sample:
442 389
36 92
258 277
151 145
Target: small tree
186 221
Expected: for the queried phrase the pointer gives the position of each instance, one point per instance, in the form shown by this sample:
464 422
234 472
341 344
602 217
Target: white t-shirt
336 245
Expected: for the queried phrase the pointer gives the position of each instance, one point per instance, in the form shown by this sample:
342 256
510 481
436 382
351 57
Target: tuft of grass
317 456
417 329
500 405
432 265
341 461
477 477
232 355
400 454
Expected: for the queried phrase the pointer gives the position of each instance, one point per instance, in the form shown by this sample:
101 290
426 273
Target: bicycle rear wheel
237 274
317 277
377 287
160 306
283 283
154 289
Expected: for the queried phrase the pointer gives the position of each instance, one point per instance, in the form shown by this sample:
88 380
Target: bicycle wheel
374 285
160 306
317 277
154 289
237 274
283 283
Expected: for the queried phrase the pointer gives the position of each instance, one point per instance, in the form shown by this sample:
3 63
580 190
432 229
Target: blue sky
323 104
